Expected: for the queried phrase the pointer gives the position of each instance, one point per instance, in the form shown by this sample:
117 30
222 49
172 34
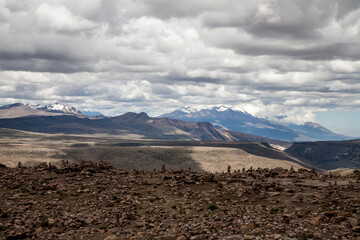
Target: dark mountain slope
140 125
129 123
229 119
328 155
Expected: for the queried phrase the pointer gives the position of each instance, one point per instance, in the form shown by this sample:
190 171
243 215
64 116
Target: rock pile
96 201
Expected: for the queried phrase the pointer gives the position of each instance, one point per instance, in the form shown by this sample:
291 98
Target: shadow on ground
127 158
32 148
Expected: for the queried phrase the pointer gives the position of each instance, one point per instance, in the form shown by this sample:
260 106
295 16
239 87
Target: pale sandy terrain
27 154
341 172
217 159
34 148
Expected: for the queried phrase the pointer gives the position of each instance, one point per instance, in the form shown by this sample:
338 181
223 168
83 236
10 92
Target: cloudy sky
298 59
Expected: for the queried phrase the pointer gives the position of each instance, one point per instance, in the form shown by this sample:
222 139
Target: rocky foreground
95 201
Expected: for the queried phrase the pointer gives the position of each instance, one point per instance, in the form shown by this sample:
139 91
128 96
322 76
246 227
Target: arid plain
34 148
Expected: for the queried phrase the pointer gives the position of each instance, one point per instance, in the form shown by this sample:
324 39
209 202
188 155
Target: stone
182 237
112 237
248 237
315 220
51 221
353 222
248 226
233 237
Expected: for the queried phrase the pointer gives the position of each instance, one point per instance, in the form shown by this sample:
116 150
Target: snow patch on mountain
57 107
315 125
189 109
219 108
237 119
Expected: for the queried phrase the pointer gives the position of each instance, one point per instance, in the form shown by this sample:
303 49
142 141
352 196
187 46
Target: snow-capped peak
219 108
57 107
312 124
35 106
191 109
222 108
317 126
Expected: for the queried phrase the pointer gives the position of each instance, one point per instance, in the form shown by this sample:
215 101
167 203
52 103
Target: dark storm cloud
163 54
345 7
161 89
41 65
277 19
349 51
183 9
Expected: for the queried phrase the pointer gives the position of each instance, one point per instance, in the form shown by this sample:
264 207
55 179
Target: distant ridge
11 106
328 155
18 110
230 118
138 125
24 110
58 108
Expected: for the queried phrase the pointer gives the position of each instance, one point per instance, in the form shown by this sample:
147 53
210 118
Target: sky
296 59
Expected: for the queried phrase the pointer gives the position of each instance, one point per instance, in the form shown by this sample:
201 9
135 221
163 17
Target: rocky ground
96 201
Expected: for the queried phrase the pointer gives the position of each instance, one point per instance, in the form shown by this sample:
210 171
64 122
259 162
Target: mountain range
17 110
228 118
220 123
57 108
58 118
216 124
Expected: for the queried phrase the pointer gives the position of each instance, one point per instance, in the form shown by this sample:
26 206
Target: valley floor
34 148
96 201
